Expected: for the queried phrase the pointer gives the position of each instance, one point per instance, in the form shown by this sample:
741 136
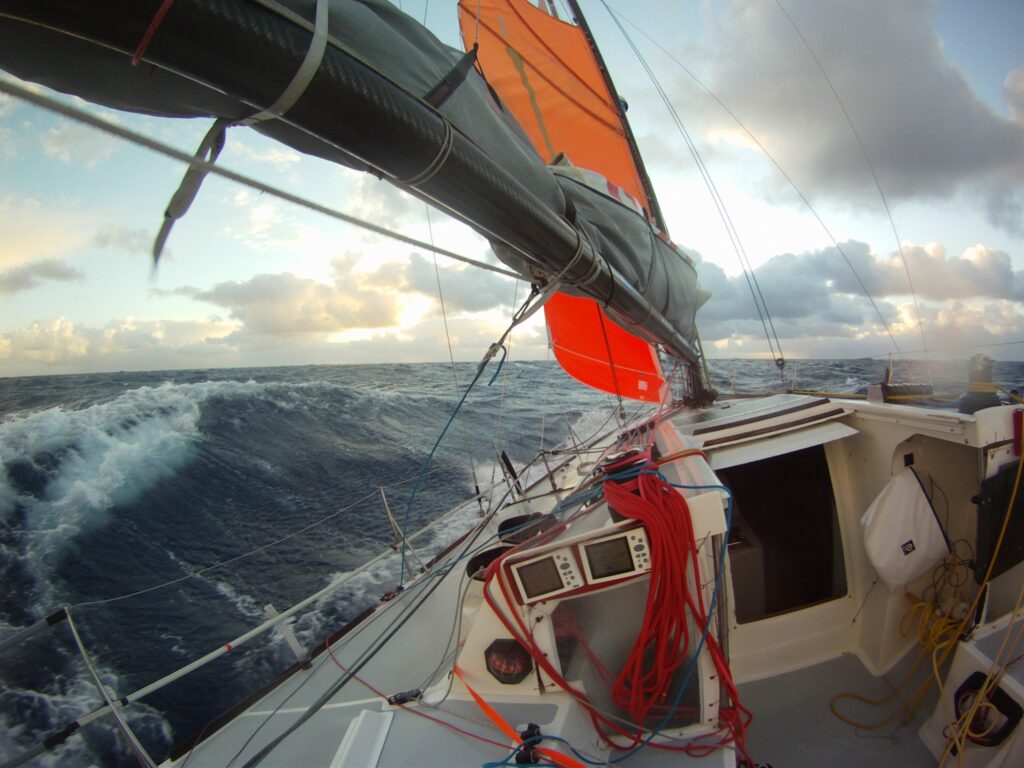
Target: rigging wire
80 115
871 168
521 315
759 303
448 336
778 167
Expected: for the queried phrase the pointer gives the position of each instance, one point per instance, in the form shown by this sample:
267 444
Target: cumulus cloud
53 341
815 300
926 132
60 345
377 201
356 299
33 275
471 290
282 304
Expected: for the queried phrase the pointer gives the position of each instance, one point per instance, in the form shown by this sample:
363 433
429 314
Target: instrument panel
566 568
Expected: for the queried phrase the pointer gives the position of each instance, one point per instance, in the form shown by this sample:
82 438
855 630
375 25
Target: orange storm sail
547 76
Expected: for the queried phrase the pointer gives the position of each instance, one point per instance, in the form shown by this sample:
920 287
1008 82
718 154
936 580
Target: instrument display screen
540 577
609 558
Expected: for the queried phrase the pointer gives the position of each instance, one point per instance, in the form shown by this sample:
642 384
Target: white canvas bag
902 534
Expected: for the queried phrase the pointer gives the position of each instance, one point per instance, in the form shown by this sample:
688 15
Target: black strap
439 94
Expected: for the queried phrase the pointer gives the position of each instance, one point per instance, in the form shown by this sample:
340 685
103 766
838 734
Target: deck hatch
778 444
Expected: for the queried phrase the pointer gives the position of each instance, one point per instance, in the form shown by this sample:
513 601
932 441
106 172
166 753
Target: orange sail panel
584 339
546 75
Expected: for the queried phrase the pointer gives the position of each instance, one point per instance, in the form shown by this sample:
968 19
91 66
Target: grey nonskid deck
793 725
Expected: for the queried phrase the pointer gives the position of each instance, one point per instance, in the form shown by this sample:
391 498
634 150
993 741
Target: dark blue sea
116 483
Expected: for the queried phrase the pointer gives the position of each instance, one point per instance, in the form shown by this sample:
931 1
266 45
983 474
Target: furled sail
546 74
386 97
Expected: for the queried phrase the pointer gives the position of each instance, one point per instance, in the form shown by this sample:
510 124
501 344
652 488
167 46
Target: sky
934 90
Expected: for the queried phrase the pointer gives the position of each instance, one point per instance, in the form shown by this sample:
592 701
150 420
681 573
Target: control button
564 566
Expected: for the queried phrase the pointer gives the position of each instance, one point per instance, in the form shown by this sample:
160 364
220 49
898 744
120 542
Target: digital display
540 577
609 558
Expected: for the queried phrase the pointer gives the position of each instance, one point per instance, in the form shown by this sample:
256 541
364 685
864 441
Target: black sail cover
388 98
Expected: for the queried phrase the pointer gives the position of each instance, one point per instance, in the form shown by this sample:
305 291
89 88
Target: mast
634 149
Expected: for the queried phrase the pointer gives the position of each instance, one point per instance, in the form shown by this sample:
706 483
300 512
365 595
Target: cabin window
785 550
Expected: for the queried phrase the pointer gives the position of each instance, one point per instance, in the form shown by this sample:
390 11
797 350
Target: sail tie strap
556 757
304 76
212 144
595 264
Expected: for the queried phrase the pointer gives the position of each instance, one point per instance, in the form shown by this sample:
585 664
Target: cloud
379 202
280 157
819 307
1013 93
283 304
60 345
927 134
79 144
124 239
53 341
470 290
33 275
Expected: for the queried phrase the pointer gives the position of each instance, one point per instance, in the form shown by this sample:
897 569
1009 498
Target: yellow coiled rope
937 635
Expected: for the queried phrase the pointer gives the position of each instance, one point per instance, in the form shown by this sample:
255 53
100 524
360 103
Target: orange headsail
546 74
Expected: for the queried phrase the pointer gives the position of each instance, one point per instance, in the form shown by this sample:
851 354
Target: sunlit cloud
60 345
53 341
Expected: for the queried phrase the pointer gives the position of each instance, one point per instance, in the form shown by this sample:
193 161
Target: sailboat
693 584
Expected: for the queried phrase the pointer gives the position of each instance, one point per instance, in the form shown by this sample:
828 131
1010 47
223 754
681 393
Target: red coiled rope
663 643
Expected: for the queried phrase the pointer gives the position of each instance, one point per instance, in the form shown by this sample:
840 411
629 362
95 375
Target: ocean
122 483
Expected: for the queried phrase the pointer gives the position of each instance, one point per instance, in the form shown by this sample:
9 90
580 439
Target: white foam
104 455
69 700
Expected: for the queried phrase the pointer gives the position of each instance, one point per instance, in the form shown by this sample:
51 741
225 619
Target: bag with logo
902 534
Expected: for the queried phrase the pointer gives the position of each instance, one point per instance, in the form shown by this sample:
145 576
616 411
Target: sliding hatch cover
778 444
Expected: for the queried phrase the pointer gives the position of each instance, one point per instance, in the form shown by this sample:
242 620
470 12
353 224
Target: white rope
80 115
